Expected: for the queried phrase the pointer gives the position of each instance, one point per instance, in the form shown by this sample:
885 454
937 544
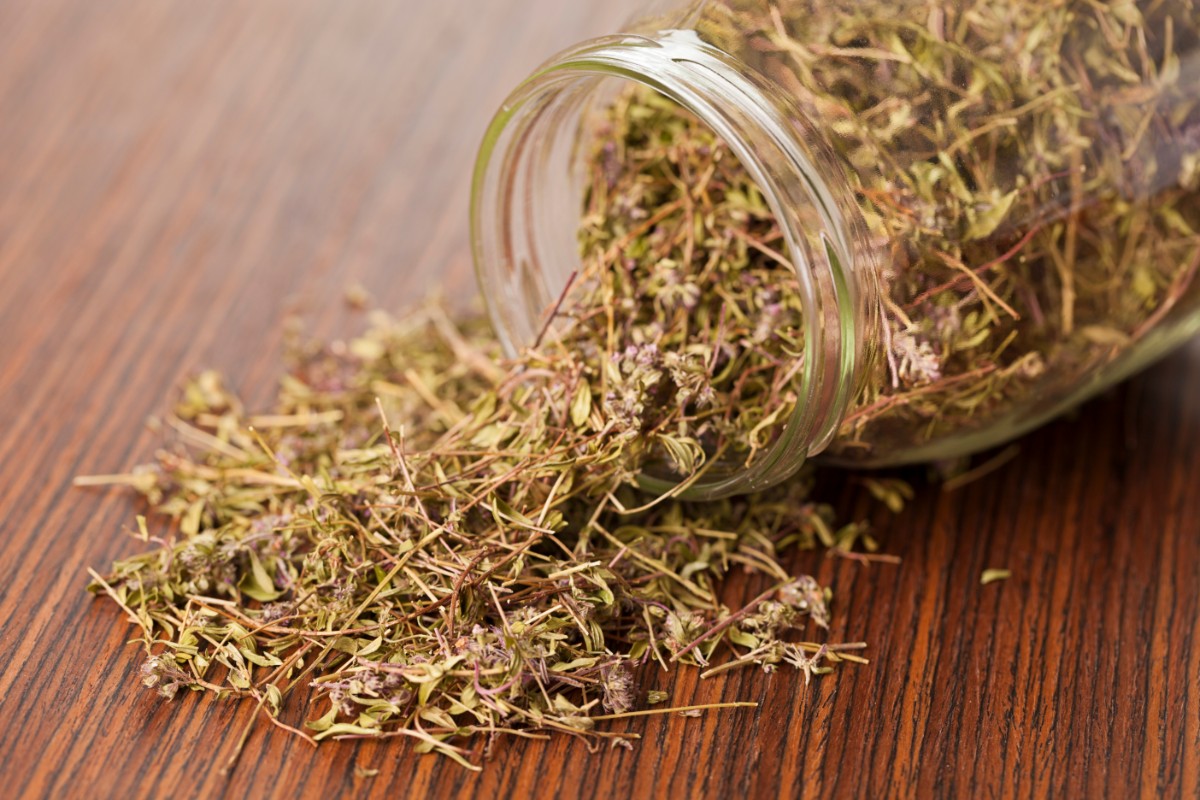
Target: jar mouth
526 206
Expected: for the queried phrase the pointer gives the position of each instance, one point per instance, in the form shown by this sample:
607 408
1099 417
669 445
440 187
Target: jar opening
532 176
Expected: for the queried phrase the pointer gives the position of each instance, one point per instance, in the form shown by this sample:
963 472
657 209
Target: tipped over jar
989 209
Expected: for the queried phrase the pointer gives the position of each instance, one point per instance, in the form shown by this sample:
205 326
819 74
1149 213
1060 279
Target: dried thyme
682 310
484 568
421 540
1029 175
487 565
994 575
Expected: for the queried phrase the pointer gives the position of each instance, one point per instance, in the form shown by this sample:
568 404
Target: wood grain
176 177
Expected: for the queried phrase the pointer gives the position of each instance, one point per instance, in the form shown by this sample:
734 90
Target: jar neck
529 182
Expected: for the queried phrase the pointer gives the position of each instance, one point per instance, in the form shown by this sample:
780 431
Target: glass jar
992 207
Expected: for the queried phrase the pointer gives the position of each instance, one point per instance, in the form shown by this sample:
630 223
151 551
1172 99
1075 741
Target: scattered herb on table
419 540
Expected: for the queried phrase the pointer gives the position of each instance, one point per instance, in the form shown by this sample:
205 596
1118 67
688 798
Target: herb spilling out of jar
422 539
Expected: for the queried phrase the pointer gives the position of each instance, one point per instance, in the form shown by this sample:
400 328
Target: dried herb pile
421 540
1030 176
683 295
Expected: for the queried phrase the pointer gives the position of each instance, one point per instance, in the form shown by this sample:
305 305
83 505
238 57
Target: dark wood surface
178 177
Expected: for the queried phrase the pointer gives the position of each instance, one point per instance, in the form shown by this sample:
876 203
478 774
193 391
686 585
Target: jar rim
511 206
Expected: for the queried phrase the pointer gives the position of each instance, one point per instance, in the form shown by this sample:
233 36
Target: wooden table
177 177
